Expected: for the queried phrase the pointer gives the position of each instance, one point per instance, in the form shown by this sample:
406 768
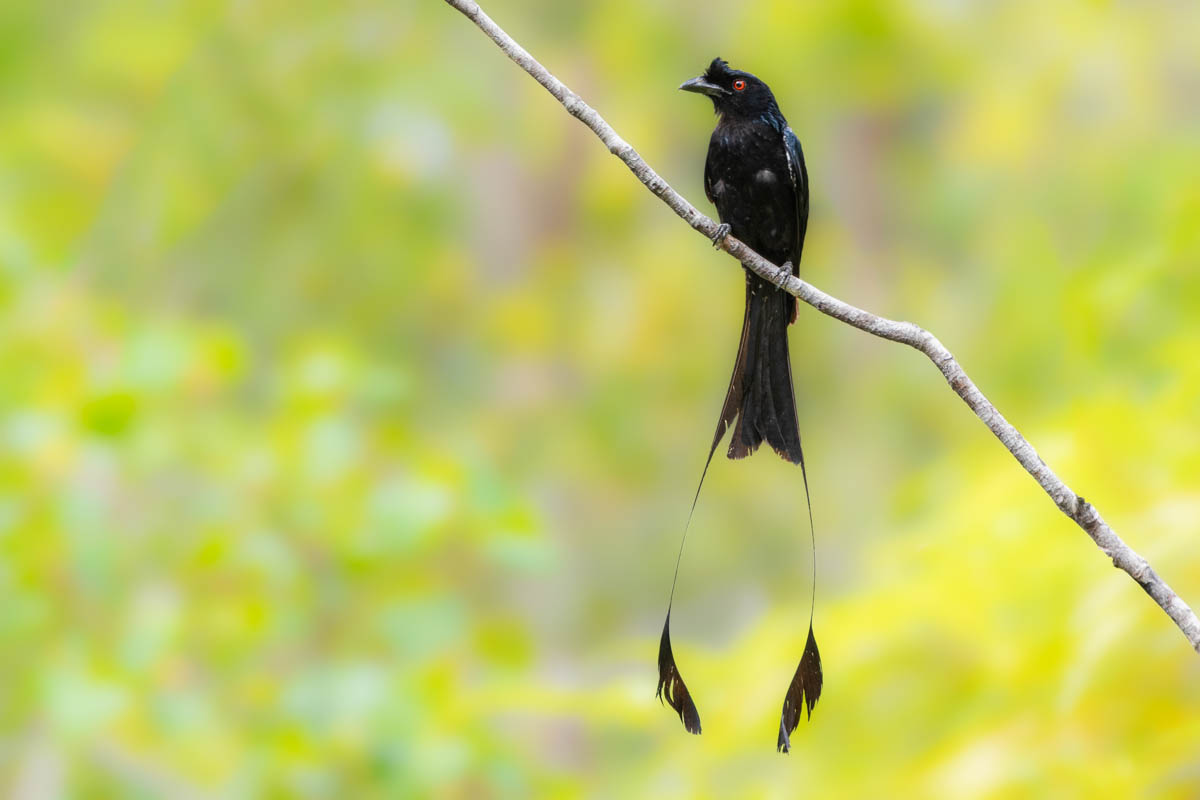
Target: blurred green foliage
354 395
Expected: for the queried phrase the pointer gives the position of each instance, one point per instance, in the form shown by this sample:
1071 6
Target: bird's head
734 93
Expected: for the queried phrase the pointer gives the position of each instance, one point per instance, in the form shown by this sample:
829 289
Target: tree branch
1083 513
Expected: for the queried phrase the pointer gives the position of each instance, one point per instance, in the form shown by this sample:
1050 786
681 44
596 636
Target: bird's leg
719 236
782 276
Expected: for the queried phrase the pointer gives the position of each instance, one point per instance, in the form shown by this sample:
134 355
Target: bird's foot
719 237
781 277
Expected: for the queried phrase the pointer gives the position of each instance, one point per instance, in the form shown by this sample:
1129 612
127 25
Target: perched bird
756 176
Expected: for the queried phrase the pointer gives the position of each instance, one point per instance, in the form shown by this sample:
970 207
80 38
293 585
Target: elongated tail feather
762 401
804 692
671 683
805 688
669 678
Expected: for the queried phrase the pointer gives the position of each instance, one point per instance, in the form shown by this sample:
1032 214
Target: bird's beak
701 86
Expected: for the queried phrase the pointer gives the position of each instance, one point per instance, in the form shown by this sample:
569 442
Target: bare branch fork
1083 513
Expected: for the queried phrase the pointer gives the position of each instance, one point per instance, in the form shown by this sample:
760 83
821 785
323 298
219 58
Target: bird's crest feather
718 69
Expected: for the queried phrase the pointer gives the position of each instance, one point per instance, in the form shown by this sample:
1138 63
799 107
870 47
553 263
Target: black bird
756 177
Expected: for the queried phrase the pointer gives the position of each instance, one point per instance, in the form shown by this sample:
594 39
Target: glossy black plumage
756 177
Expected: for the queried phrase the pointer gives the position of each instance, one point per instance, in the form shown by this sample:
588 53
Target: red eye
739 84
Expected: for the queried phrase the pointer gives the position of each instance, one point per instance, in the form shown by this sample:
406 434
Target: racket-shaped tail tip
803 693
671 685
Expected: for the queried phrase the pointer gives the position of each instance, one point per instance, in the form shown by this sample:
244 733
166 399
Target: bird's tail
760 396
761 400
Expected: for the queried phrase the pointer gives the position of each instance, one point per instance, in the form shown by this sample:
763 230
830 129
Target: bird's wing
709 179
798 173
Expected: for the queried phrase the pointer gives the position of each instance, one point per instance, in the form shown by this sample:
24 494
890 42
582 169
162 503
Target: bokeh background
353 397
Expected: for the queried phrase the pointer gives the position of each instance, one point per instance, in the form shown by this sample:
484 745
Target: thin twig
1083 513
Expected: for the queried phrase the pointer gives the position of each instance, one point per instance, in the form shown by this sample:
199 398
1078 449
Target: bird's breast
765 177
748 180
